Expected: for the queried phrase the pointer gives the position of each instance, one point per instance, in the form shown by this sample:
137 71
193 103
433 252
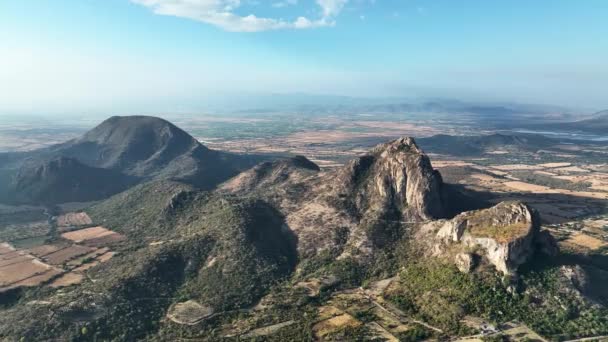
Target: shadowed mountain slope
63 179
130 148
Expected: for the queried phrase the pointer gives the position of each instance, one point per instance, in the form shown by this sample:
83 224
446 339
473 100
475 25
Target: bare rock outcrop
353 211
393 176
505 235
334 210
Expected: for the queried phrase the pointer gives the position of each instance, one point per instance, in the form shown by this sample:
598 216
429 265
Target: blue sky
170 55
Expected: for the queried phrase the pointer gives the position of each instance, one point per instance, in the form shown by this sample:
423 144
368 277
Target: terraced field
62 262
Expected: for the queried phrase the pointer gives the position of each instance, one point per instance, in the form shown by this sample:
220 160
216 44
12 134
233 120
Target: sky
147 56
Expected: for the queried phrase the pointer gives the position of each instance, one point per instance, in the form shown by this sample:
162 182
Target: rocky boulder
505 235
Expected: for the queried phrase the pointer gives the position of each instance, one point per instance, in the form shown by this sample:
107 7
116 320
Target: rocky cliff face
506 236
345 210
394 176
356 210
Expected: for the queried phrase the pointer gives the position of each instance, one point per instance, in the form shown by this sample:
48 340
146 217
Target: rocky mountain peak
394 176
401 145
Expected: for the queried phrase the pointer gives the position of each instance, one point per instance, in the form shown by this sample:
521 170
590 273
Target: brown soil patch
62 256
17 259
10 255
38 279
87 234
5 248
105 240
67 279
41 251
106 256
84 267
17 272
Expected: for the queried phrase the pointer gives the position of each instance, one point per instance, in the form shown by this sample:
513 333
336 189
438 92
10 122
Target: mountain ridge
140 148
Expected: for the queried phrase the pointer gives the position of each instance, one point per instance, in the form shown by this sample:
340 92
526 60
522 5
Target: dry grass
501 234
335 324
522 186
326 312
480 225
438 164
586 241
572 169
380 333
485 178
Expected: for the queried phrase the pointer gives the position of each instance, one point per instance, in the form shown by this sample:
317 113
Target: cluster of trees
438 293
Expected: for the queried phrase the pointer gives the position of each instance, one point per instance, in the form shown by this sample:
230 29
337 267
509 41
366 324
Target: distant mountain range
118 153
478 145
597 124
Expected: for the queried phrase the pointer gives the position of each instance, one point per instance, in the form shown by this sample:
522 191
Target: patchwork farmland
57 261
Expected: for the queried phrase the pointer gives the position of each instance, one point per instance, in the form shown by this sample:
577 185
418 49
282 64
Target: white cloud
221 13
331 7
286 3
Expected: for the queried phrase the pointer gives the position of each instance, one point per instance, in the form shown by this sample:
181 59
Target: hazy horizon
155 56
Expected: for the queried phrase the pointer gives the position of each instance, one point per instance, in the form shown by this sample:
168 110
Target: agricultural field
45 256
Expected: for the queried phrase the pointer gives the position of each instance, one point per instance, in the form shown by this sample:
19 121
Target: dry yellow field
87 234
523 186
67 279
586 241
516 167
554 165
